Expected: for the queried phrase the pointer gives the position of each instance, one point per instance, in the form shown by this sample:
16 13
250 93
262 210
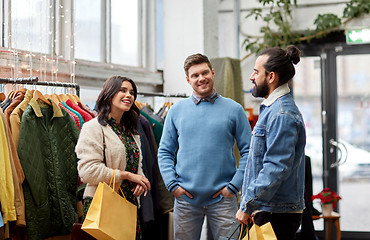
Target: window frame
85 72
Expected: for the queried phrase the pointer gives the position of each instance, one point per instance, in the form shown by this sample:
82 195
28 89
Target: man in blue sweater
196 154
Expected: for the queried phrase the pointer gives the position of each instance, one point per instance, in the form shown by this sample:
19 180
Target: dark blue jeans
285 225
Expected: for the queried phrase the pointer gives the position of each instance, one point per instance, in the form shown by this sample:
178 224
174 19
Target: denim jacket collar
278 92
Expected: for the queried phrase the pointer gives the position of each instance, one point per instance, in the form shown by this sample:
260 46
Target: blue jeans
188 219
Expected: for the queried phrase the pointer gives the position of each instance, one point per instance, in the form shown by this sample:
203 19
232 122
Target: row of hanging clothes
39 179
158 203
38 162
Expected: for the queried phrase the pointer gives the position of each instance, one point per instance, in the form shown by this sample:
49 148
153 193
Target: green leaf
280 17
327 22
356 8
255 12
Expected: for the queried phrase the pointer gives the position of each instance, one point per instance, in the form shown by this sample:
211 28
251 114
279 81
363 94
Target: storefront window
124 32
110 36
88 34
30 26
159 30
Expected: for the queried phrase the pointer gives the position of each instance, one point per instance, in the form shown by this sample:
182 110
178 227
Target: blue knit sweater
204 135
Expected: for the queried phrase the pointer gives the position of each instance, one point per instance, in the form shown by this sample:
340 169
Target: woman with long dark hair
111 142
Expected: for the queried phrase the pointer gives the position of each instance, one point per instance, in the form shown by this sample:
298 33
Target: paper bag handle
242 226
113 185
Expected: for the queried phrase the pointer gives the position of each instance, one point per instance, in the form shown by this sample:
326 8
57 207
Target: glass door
332 90
307 95
353 160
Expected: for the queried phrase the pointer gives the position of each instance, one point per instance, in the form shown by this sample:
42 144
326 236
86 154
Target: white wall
189 27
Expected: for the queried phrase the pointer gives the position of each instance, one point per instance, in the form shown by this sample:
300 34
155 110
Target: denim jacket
274 174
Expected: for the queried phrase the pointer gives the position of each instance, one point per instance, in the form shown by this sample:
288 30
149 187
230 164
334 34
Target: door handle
341 149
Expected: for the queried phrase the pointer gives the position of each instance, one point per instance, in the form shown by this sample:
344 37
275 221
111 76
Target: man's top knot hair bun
293 54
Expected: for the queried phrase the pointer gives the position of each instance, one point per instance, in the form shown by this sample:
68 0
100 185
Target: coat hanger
77 99
17 92
138 104
11 94
37 95
2 96
73 100
63 97
55 98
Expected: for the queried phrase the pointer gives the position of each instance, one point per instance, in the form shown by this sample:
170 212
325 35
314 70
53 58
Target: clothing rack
152 94
35 81
19 80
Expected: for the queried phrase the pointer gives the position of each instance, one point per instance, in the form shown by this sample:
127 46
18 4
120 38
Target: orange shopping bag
110 216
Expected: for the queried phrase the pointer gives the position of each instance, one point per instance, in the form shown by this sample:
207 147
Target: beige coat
89 150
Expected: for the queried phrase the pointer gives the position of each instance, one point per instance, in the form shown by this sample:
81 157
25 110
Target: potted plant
328 200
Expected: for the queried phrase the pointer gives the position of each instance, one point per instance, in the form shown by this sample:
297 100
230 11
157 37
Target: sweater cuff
232 189
172 186
118 176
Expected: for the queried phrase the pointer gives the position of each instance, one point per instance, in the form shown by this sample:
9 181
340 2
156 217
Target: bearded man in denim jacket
273 186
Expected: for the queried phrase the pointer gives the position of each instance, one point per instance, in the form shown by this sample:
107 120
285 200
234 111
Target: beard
261 90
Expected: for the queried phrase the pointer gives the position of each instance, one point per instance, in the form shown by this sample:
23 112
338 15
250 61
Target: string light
22 34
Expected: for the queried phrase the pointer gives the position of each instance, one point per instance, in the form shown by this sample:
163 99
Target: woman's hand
138 190
142 183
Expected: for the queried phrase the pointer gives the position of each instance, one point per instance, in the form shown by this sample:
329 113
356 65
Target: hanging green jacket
47 139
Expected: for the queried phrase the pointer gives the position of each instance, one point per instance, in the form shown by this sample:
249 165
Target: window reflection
124 35
307 95
88 30
353 86
30 25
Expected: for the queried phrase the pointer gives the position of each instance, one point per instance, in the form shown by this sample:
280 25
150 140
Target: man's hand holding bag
255 232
